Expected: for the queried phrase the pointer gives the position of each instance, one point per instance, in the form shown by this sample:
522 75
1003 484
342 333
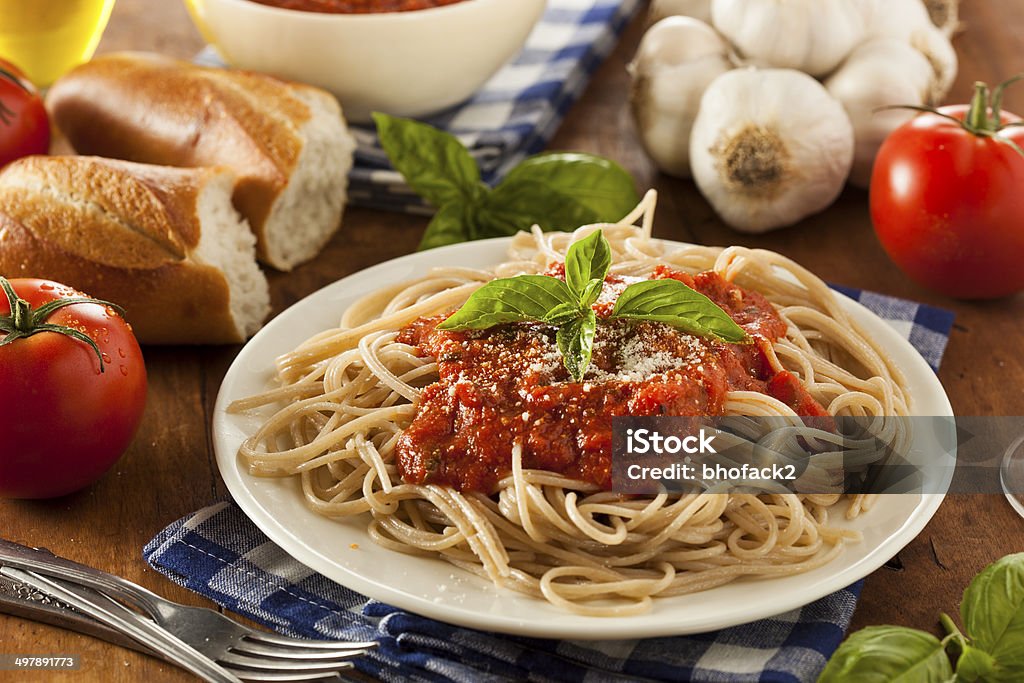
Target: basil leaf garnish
524 298
993 615
672 302
510 208
562 313
554 191
978 665
588 259
434 163
576 344
599 185
889 653
448 226
569 305
591 293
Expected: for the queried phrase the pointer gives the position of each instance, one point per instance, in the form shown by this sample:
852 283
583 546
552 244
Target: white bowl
402 63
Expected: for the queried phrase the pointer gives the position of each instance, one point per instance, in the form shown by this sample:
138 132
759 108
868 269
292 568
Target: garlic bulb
769 147
813 36
909 20
892 18
879 73
660 9
676 60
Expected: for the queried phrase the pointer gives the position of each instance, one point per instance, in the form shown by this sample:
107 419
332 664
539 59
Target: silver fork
131 624
250 654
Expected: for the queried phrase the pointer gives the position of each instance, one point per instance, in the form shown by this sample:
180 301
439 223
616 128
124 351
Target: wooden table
169 470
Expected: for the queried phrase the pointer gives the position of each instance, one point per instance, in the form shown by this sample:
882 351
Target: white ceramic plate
435 589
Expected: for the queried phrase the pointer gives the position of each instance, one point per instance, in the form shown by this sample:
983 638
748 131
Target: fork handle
44 562
20 600
116 615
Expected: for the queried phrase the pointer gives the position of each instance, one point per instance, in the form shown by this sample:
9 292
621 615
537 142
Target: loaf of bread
287 143
164 243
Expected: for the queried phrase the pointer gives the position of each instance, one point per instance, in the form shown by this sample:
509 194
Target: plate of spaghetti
463 472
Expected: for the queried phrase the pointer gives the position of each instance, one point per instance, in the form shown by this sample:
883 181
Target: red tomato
24 126
948 204
63 421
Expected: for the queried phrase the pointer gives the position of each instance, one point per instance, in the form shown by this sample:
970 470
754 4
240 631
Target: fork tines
261 656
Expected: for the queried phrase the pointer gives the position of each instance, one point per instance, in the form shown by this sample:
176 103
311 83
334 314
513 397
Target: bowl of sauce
402 57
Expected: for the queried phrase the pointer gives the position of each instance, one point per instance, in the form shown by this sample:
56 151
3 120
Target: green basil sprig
568 304
889 653
554 191
991 648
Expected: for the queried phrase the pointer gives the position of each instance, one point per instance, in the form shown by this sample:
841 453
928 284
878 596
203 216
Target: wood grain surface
169 470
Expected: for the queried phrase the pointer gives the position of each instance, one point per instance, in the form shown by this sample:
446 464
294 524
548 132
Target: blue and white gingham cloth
515 113
925 327
219 553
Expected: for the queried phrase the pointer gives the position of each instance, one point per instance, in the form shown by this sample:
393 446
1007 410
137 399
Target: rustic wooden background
169 471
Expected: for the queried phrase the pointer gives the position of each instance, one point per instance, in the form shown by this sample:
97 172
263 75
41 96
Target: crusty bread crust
157 110
121 232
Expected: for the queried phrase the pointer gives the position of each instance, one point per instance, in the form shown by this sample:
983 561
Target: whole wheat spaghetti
346 396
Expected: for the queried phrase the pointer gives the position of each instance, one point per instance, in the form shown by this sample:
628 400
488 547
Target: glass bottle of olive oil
46 38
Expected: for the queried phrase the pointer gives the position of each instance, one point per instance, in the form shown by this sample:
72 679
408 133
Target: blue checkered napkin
219 553
926 327
515 113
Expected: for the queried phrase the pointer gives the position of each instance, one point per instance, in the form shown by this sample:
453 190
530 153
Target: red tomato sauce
508 385
356 6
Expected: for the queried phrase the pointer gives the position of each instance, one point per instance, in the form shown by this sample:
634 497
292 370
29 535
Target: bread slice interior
308 212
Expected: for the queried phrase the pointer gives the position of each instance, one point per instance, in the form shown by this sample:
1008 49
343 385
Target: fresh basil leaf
563 313
672 302
591 293
598 184
587 259
434 163
977 665
522 298
448 226
519 206
885 654
993 615
576 344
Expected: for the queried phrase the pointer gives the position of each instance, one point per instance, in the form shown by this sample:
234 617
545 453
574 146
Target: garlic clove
769 147
909 20
677 59
676 41
879 73
892 18
813 36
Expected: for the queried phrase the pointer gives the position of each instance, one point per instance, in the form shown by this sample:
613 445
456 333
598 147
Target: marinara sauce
508 385
356 6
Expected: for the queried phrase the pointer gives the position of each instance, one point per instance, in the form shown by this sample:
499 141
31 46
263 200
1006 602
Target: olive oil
46 38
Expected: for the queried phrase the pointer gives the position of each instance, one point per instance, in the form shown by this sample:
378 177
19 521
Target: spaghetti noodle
347 395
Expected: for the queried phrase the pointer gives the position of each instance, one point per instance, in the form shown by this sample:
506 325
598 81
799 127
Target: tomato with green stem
72 388
947 197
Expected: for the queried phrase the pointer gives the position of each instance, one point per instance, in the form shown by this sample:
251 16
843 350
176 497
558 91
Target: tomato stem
997 100
977 118
24 322
22 315
984 117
